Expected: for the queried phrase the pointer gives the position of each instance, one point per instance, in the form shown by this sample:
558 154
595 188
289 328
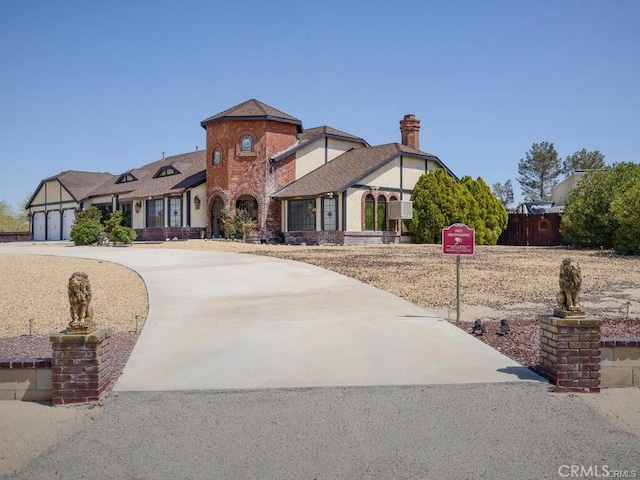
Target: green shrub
121 234
85 232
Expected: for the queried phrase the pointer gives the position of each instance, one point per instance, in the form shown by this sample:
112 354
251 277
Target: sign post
458 239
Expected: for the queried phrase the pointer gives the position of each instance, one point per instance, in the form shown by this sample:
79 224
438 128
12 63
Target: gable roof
78 184
311 134
348 169
252 110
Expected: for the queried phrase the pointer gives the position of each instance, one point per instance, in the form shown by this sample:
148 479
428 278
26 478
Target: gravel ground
118 296
35 287
516 283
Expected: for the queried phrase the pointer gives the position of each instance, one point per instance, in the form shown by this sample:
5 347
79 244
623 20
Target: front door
216 218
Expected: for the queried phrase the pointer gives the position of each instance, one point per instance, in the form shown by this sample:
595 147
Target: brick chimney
410 128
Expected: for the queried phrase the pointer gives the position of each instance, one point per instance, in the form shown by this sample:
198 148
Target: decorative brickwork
81 366
570 353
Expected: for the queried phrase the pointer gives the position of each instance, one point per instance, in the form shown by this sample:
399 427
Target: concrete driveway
222 321
232 321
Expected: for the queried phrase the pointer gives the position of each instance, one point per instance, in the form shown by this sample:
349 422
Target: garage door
38 226
68 218
53 225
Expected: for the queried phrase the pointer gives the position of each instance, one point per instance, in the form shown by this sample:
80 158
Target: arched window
249 205
369 204
393 224
246 144
382 213
216 156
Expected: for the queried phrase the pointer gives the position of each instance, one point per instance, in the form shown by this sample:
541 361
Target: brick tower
240 142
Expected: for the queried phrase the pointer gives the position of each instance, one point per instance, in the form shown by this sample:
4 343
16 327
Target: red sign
458 239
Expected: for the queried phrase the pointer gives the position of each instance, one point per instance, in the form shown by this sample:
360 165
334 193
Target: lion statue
80 299
569 296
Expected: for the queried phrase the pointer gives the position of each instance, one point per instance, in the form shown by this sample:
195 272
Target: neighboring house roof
311 134
536 207
252 110
348 169
78 184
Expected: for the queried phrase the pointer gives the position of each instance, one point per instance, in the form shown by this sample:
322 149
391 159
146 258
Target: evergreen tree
439 201
503 192
583 160
490 216
539 171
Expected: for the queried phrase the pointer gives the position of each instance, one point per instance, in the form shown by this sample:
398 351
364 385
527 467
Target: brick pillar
81 366
570 353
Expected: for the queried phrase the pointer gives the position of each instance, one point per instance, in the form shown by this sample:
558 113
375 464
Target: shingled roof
252 110
348 169
311 134
191 167
78 184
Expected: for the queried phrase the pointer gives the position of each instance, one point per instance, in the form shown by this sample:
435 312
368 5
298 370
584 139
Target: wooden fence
539 230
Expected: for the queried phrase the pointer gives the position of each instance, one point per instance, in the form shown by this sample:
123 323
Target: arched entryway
217 210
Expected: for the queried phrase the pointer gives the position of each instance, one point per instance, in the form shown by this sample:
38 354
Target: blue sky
109 86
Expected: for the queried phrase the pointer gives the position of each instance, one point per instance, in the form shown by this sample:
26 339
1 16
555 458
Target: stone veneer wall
570 353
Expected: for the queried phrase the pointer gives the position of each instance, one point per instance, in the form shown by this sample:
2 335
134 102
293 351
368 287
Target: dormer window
126 177
166 171
246 144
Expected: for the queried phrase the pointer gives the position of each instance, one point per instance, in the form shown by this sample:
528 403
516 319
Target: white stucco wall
309 158
412 170
199 216
386 177
312 156
354 209
336 147
137 218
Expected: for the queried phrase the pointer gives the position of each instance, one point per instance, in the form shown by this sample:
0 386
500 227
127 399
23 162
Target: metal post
457 288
